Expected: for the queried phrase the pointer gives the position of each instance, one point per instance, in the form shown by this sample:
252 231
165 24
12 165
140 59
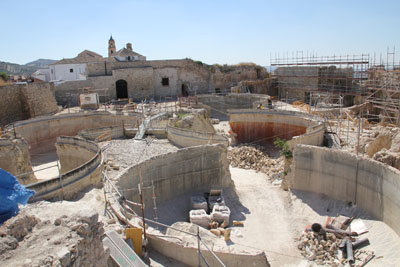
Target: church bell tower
111 47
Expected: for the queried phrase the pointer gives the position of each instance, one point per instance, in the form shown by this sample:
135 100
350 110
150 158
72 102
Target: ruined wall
73 239
39 98
372 185
71 182
294 82
15 158
23 101
227 76
187 170
11 104
41 133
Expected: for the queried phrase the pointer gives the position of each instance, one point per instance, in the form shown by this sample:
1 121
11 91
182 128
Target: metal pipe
360 242
349 251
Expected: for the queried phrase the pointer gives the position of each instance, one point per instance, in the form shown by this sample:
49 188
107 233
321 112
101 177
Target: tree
4 76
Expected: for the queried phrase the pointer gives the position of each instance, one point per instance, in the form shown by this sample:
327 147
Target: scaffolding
337 81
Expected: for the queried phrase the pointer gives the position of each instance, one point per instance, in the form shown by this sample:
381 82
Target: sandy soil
274 219
44 165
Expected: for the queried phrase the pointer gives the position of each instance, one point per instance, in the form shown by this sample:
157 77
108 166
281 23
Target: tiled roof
85 56
124 52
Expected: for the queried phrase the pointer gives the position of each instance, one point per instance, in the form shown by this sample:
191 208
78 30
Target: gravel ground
123 153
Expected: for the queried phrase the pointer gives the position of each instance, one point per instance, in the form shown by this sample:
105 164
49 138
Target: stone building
127 74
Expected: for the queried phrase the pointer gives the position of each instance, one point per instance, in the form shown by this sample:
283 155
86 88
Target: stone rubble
74 240
315 248
249 156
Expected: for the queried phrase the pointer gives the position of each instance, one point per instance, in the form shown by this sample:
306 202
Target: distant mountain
27 69
40 63
16 69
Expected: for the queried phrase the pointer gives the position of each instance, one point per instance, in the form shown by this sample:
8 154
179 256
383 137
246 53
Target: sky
216 31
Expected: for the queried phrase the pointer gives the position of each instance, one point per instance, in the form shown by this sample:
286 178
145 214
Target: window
71 70
165 81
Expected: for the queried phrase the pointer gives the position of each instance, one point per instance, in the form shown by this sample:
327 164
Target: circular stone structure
265 126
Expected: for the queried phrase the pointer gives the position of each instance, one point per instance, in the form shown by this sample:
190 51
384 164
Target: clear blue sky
215 31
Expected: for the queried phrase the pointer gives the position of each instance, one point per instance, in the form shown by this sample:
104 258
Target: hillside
27 69
40 63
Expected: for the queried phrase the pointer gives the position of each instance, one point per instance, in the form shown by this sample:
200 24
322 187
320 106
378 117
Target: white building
73 69
42 74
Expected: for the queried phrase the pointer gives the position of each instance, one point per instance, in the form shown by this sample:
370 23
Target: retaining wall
189 255
186 170
219 105
41 133
88 170
372 185
187 138
112 131
266 125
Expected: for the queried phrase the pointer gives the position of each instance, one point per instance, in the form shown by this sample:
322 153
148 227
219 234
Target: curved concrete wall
189 255
187 138
41 133
186 170
219 105
265 126
373 186
93 133
89 165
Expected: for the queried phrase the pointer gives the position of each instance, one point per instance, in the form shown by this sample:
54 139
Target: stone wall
11 104
15 158
79 171
144 78
166 90
39 98
295 82
187 170
139 80
24 101
372 185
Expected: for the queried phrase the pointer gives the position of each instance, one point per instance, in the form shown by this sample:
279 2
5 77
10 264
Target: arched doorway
122 89
185 92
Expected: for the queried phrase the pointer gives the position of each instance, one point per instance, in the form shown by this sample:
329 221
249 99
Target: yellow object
238 223
227 234
135 234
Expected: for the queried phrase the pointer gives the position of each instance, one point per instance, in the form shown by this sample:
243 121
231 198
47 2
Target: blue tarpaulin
12 193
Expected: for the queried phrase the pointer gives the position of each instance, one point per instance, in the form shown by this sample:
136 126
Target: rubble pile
315 248
74 240
337 244
255 157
